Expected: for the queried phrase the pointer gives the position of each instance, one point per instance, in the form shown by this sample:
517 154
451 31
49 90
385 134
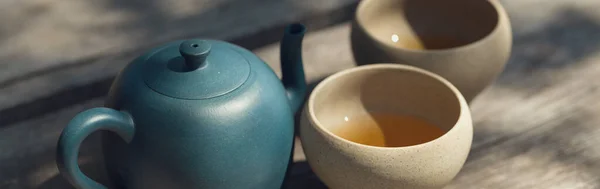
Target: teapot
196 113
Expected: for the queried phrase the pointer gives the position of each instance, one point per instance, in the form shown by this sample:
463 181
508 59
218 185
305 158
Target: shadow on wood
302 177
91 169
154 30
39 170
570 37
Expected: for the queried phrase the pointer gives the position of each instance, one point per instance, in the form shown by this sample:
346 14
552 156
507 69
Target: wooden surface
72 52
58 57
537 126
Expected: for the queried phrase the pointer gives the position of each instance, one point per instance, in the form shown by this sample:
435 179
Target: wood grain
535 127
104 37
37 137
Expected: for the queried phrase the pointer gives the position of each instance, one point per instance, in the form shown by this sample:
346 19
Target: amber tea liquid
387 130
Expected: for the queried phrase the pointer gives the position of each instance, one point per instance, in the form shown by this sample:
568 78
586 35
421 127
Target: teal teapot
194 113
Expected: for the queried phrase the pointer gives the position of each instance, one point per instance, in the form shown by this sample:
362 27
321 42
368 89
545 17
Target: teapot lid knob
195 52
184 69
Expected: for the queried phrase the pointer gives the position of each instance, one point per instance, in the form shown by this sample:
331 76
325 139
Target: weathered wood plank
27 151
518 130
536 127
36 80
40 34
28 148
545 141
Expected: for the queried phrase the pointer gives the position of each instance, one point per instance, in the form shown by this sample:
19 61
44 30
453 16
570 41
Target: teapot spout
292 70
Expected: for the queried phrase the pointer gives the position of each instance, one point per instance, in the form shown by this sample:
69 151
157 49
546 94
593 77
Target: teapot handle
81 126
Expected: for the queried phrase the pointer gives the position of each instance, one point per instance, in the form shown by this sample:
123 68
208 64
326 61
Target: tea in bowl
386 126
468 42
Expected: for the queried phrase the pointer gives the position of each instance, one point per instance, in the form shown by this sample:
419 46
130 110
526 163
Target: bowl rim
464 115
498 8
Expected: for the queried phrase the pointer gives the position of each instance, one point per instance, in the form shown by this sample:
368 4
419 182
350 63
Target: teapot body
194 114
240 139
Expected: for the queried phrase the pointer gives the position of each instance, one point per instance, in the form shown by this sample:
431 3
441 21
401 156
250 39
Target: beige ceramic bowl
342 164
467 42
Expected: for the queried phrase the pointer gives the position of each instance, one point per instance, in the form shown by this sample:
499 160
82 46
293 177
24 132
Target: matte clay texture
401 89
468 42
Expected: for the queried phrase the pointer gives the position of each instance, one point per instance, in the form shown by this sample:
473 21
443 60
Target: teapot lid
195 69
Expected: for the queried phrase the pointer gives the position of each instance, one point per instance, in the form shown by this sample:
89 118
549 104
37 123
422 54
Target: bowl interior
427 24
372 90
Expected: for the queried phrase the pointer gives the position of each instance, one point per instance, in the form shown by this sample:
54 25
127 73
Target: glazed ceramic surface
402 89
197 113
468 42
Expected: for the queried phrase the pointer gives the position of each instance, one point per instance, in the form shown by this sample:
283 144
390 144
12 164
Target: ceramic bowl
402 89
468 42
